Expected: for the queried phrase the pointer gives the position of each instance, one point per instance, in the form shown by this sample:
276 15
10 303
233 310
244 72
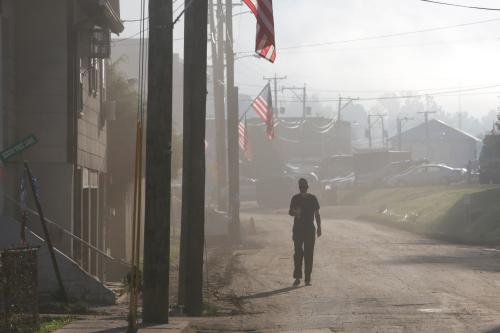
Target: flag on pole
265 45
244 141
263 106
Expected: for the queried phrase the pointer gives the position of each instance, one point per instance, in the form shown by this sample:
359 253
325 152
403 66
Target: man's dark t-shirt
308 204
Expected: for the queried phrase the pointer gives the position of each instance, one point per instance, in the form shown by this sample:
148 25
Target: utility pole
383 132
460 109
303 99
380 117
426 117
369 131
217 44
276 78
400 122
341 107
232 130
158 164
193 169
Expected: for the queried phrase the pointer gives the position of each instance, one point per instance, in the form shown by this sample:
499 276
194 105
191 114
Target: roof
106 12
435 127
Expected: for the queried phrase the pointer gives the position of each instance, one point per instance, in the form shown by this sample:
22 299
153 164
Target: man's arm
317 216
291 212
318 222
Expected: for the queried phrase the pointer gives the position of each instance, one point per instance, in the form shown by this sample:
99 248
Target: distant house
446 144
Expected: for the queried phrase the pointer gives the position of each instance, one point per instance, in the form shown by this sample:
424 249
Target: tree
122 131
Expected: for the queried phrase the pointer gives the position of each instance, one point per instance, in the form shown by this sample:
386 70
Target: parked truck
489 160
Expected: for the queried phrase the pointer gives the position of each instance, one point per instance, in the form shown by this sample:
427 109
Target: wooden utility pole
339 108
426 117
381 118
275 80
217 44
383 132
193 170
158 164
369 132
400 122
232 130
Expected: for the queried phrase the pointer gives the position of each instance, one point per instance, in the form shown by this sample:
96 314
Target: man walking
304 207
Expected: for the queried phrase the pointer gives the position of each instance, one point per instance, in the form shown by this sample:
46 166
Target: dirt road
366 278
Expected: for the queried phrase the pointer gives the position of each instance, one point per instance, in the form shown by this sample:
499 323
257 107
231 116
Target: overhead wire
186 7
462 6
384 36
387 47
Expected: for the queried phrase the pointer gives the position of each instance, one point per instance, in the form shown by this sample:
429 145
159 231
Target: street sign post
18 148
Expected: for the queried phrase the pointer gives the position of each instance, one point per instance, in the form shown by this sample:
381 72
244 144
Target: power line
462 6
134 20
383 47
186 7
405 33
119 40
450 93
428 90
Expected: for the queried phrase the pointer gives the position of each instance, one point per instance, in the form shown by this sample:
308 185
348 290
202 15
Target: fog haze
428 62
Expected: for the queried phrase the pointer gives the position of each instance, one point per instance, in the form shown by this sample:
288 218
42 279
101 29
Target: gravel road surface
366 278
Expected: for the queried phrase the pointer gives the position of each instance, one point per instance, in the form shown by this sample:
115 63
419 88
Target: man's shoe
296 282
308 283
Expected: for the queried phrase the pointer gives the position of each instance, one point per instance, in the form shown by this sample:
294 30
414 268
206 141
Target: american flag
263 105
265 44
244 141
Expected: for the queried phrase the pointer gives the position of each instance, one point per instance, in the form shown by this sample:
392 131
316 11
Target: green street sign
18 148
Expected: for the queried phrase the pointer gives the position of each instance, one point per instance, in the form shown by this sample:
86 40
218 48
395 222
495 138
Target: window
420 170
93 74
434 169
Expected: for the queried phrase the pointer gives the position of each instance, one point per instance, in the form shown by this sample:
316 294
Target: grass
50 324
437 210
63 308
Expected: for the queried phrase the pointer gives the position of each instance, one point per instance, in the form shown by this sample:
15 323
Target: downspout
72 121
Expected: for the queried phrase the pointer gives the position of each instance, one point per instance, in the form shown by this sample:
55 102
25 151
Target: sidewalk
113 324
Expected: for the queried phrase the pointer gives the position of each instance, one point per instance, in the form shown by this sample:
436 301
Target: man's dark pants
304 250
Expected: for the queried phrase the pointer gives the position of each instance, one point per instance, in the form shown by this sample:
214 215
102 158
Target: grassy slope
439 211
51 324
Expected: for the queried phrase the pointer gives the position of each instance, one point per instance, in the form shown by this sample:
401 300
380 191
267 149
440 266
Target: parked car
339 182
381 177
429 174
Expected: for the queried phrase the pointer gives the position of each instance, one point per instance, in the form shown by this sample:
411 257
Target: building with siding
53 85
446 144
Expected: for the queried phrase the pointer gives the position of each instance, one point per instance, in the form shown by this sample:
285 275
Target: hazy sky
427 62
